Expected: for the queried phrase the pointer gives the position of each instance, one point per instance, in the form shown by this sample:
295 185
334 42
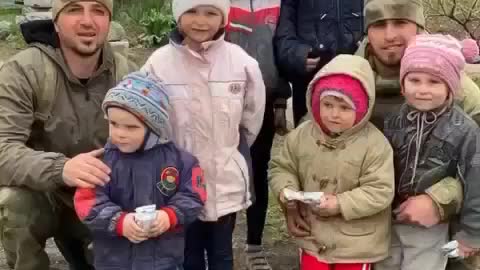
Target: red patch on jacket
198 183
84 201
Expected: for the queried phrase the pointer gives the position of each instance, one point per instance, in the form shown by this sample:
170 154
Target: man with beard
51 124
390 25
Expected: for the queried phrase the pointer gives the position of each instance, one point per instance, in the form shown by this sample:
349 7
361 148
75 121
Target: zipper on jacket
340 23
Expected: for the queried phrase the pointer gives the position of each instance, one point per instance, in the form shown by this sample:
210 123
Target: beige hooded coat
357 166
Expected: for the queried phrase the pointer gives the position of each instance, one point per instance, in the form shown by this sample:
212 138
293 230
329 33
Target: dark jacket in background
328 27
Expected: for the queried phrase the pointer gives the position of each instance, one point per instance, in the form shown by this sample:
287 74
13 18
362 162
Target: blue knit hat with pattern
145 96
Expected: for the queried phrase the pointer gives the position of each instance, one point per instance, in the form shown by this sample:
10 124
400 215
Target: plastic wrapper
451 250
145 215
312 198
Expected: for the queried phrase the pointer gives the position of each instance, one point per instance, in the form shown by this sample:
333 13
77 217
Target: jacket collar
176 40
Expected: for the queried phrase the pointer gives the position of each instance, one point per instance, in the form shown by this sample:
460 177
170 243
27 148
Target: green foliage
150 18
158 24
136 8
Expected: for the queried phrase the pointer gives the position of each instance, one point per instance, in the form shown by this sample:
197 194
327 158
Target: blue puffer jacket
162 175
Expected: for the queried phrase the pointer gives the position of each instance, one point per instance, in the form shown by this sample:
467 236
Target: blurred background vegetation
147 22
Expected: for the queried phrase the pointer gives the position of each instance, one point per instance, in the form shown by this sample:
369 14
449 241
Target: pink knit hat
438 55
342 86
470 49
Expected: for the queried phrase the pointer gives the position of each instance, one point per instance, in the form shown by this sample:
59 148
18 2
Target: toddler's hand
329 206
132 231
466 251
297 223
160 225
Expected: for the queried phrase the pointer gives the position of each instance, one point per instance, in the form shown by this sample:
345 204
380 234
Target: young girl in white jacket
216 89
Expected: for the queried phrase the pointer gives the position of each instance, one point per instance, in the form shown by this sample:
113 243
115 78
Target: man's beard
86 53
391 60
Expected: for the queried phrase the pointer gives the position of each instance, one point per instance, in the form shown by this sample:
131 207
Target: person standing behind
252 26
309 34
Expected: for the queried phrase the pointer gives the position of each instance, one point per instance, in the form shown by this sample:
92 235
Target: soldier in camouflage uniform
390 25
50 118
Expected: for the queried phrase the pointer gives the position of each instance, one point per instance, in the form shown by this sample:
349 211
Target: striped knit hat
145 96
438 55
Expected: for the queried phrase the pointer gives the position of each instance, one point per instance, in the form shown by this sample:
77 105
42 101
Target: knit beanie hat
342 86
470 50
181 6
145 96
379 10
59 5
438 55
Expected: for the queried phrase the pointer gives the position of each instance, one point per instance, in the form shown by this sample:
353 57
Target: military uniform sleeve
376 189
283 167
21 165
447 196
470 98
184 207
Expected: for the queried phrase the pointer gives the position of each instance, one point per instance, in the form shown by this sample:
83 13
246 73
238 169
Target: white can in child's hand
145 215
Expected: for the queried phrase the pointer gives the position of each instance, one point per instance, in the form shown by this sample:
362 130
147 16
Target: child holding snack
340 153
150 174
432 139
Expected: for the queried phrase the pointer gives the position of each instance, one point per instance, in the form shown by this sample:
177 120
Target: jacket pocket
227 101
55 132
357 228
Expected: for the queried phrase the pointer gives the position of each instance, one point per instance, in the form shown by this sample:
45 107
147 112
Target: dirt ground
283 255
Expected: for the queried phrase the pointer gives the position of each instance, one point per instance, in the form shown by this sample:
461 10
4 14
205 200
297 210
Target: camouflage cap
59 5
379 10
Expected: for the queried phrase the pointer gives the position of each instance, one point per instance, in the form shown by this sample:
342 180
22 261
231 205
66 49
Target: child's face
424 92
336 114
127 132
200 24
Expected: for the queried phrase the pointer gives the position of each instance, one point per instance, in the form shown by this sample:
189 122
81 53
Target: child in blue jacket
147 168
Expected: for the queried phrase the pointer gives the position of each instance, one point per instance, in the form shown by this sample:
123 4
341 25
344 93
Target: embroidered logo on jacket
168 181
235 88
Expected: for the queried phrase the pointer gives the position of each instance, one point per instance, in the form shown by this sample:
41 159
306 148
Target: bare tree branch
464 13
